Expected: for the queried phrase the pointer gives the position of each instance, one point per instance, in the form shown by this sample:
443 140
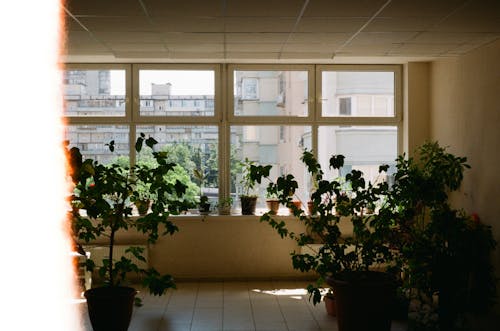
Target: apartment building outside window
266 113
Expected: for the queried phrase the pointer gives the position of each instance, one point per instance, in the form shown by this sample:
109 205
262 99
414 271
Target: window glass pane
279 146
270 93
191 147
365 148
92 140
349 93
94 92
176 92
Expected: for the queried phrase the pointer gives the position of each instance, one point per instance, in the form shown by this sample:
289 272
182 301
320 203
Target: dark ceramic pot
110 308
364 300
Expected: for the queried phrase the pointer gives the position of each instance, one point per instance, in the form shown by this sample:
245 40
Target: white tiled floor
231 306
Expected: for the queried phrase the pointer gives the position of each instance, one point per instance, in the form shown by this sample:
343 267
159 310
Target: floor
231 306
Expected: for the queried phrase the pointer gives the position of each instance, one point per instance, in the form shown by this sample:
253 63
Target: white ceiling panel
194 38
248 47
338 24
184 8
278 29
192 24
105 7
260 8
258 24
122 24
264 38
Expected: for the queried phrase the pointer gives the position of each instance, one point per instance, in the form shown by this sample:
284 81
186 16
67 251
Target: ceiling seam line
299 17
88 31
152 22
361 28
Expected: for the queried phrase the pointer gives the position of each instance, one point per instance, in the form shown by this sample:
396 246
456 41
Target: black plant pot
248 204
364 300
110 308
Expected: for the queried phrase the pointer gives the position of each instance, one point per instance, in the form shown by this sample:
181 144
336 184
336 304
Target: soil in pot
364 300
248 204
110 308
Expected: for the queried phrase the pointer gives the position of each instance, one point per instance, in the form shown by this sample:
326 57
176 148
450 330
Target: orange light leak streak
35 268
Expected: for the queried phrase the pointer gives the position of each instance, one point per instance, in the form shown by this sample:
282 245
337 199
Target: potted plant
204 204
104 193
444 252
345 261
142 197
272 202
224 206
250 174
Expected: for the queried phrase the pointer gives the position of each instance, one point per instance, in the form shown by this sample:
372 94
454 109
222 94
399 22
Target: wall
416 106
221 247
465 114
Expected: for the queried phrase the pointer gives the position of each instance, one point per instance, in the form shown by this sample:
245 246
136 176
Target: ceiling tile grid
298 30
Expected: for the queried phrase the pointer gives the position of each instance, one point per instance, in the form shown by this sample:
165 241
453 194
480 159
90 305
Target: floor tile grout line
279 306
164 310
251 306
194 306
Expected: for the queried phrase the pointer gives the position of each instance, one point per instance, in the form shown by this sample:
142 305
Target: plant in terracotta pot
104 193
346 260
273 204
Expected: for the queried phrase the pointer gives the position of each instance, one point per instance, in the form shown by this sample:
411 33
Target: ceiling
319 31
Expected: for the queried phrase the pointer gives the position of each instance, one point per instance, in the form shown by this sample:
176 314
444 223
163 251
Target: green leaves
106 192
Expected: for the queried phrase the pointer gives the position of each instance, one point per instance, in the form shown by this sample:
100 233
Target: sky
184 82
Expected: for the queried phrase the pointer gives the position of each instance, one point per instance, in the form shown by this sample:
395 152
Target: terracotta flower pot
273 205
330 305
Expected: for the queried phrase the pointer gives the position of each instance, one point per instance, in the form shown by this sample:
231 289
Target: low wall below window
221 247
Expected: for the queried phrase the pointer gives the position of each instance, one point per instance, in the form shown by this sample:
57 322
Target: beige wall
465 114
416 106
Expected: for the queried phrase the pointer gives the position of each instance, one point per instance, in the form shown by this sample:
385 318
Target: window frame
224 117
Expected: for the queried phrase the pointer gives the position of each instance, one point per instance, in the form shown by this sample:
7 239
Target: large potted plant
104 194
444 252
347 261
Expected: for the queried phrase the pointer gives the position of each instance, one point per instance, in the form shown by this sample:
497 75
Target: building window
268 113
344 106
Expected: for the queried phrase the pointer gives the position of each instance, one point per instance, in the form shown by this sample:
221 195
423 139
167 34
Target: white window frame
224 116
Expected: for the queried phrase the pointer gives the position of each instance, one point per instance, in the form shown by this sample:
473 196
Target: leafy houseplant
444 253
224 206
344 260
105 192
204 205
248 200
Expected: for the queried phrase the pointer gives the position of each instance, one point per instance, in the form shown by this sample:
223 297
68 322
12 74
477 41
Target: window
92 93
271 92
172 92
269 113
344 106
358 93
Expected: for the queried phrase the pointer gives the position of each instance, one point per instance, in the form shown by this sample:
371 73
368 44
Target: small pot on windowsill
142 206
248 204
273 205
297 204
